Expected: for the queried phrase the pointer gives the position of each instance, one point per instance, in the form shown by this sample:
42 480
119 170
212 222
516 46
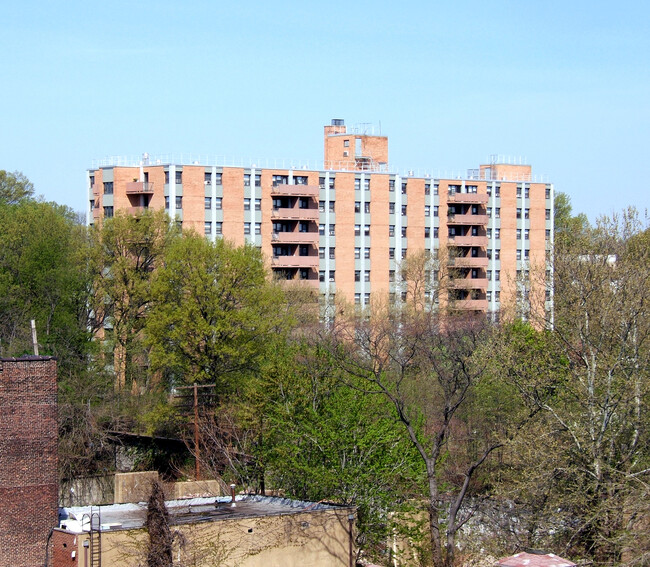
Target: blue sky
564 84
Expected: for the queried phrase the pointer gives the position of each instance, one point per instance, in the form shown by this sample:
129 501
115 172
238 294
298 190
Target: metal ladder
95 539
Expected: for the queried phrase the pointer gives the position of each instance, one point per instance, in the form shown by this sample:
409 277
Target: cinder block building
28 459
348 227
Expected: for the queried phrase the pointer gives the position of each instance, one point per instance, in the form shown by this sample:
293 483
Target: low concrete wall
89 491
196 488
134 487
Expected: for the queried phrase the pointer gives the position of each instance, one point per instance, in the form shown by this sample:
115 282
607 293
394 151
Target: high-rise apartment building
350 227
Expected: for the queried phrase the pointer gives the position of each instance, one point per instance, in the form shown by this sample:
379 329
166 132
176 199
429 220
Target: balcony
468 240
469 283
471 198
295 237
294 261
469 262
139 188
295 213
467 219
470 304
295 191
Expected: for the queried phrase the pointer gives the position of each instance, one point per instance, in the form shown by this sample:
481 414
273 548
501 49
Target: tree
14 187
429 369
128 250
159 553
599 413
215 313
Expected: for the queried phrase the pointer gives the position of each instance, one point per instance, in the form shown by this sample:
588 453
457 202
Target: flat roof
76 519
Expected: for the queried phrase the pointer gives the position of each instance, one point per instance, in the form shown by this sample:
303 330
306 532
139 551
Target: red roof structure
525 559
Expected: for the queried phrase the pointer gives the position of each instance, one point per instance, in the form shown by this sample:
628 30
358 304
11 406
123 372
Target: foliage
159 553
215 313
14 188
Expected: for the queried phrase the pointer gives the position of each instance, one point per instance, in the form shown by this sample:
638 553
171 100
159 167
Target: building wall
315 538
28 459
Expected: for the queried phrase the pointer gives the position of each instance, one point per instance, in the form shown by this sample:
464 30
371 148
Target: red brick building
28 459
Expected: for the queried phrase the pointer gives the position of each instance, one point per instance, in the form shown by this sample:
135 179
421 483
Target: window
435 232
179 177
280 180
366 184
547 214
303 226
404 188
91 179
218 228
258 228
332 229
346 143
518 191
497 233
108 212
427 211
208 228
321 229
489 211
321 252
527 193
526 234
391 208
108 187
247 228
179 202
258 180
518 234
207 178
497 296
489 190
357 230
404 207
357 184
518 254
391 276
518 212
366 230
548 234
166 177
357 253
489 233
391 185
366 253
404 252
218 178
548 192
332 253
497 253
526 213
488 295
427 188
208 203
366 276
366 298
435 189
332 275
247 179
357 275
321 206
391 230
427 232
321 182
217 203
247 204
303 203
332 182
357 298
391 253
300 180
357 206
497 275
92 203
321 276
526 254
258 204
497 212
403 232
489 275
366 207
435 210
497 191
332 205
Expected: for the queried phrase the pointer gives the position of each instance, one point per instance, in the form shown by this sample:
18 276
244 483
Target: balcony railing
295 237
468 240
139 187
473 198
469 262
294 261
295 213
469 283
295 190
470 304
467 219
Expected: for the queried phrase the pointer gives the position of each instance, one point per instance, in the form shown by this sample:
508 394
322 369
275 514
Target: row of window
218 228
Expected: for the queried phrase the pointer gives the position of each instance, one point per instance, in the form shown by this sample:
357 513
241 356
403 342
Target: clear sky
564 84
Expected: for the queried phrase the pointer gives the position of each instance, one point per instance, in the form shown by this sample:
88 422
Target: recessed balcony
295 213
467 219
139 188
295 237
479 241
469 283
294 261
469 262
472 198
295 191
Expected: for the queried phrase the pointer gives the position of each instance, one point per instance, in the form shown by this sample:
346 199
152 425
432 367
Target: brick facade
28 459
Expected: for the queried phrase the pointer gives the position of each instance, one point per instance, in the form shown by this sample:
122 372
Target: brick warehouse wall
28 459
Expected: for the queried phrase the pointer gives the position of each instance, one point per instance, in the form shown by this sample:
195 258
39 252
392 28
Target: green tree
14 187
215 313
128 251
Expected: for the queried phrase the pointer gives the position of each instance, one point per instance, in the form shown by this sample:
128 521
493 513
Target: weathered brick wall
28 459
